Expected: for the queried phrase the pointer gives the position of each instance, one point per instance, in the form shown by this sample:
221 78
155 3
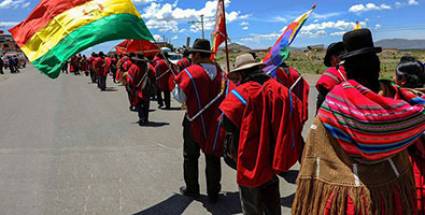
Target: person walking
163 74
1 65
140 80
197 86
263 123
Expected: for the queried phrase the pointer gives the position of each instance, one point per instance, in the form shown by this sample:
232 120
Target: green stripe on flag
113 27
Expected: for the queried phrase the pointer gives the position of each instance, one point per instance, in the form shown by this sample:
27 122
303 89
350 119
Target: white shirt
210 69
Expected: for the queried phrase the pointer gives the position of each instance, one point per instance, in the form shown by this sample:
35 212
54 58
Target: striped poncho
368 125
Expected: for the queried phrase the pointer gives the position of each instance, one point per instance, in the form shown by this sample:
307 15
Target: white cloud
378 26
245 25
279 19
412 2
337 33
26 4
144 1
406 3
14 4
167 17
7 24
324 15
358 8
337 25
260 37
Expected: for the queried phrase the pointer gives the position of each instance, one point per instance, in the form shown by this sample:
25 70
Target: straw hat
244 62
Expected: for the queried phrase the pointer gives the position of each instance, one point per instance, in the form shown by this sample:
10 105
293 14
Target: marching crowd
364 153
12 62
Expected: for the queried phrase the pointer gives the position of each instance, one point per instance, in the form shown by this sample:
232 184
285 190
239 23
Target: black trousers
102 82
93 77
143 110
191 153
261 200
159 97
166 100
1 69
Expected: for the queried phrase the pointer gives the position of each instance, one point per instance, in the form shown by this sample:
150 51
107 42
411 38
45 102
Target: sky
258 23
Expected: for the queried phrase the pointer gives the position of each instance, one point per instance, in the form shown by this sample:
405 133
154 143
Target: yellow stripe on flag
62 25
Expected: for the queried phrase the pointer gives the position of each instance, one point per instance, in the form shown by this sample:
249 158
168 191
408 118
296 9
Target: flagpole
225 41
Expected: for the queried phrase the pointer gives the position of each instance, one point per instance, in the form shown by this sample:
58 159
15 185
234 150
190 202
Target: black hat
139 57
333 49
412 71
201 45
359 42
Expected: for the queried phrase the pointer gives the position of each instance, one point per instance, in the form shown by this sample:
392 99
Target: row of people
365 150
11 62
364 153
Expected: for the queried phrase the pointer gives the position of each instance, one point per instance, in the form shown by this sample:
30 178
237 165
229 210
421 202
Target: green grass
312 63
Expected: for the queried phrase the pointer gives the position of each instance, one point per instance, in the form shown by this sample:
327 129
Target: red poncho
107 66
200 90
90 63
288 77
183 63
331 77
164 76
98 65
134 77
270 125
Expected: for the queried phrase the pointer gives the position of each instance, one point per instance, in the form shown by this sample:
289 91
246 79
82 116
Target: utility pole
196 23
202 25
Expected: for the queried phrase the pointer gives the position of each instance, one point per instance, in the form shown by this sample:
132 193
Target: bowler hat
359 42
245 62
201 46
333 49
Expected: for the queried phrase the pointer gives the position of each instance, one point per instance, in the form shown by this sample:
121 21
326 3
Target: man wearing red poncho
104 70
164 76
140 84
92 69
197 86
263 125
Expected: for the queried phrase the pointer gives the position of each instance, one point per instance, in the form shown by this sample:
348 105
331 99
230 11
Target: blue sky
258 23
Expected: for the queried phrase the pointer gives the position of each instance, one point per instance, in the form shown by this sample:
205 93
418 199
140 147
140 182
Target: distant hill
401 44
236 48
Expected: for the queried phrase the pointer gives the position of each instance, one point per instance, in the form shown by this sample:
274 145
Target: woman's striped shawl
368 125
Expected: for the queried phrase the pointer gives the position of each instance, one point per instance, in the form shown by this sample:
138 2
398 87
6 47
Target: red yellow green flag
58 29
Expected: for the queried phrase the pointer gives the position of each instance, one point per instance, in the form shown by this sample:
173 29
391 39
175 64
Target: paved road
67 148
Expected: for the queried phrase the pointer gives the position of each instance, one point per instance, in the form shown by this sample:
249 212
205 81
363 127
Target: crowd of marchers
12 62
365 151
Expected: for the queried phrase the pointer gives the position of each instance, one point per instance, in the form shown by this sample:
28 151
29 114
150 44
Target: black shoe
213 198
185 192
142 123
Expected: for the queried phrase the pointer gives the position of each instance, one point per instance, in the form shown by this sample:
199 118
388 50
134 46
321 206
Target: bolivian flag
58 29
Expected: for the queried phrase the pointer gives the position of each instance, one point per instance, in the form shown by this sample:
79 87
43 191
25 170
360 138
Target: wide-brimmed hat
245 62
333 49
201 46
140 58
359 42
